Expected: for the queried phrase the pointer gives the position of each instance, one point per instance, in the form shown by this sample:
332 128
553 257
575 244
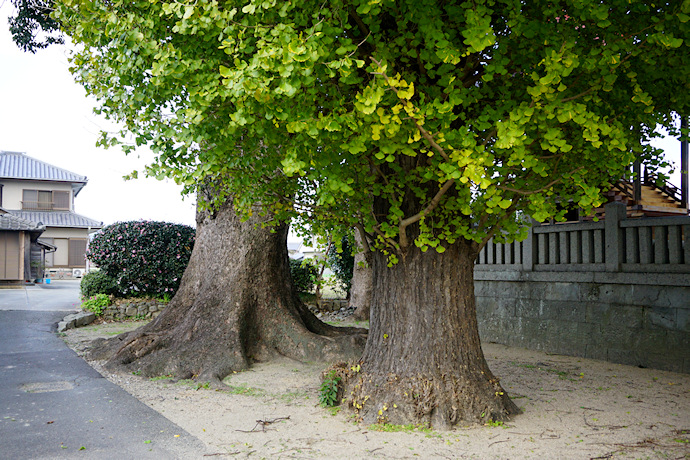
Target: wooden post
529 248
613 237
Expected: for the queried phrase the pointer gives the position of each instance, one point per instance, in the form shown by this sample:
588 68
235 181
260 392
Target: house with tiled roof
43 194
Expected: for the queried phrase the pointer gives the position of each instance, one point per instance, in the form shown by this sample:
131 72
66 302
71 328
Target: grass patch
244 390
411 428
161 377
335 410
293 395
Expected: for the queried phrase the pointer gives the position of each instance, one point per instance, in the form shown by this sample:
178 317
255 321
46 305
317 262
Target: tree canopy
33 28
451 115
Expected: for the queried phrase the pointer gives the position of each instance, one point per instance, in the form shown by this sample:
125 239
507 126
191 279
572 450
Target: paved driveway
59 295
54 405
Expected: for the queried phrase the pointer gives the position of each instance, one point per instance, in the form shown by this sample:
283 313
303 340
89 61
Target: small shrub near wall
304 273
142 257
342 263
97 282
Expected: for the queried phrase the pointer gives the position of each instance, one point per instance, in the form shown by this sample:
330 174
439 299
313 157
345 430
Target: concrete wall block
573 312
589 333
665 361
660 317
615 294
625 356
503 289
653 341
590 292
662 296
595 352
625 316
680 341
527 308
506 308
562 291
486 307
683 320
483 288
597 312
621 338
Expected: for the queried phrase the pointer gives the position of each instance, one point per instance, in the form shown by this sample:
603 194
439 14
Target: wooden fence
616 244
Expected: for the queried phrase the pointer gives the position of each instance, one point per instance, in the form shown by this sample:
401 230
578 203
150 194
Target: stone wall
133 308
640 319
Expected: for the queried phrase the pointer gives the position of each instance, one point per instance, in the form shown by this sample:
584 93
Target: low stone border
76 320
133 308
120 310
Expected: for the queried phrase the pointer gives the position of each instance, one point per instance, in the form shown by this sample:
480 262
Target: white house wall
12 192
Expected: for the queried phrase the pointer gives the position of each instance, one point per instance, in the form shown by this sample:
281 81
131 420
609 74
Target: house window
45 200
77 252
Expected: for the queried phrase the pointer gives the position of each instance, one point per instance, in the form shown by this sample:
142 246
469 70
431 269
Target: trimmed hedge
142 257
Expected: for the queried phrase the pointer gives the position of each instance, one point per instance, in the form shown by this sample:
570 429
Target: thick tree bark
423 361
362 281
236 304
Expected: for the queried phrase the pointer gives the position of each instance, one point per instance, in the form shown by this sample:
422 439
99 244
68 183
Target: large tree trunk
423 362
236 304
362 280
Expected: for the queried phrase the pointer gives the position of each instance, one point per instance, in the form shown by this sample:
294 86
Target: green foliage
328 392
143 258
97 282
32 28
304 273
96 303
443 118
342 261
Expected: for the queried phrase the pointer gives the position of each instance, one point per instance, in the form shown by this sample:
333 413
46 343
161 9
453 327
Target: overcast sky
46 115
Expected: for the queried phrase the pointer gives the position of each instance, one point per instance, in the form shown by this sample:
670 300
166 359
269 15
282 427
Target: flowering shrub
143 257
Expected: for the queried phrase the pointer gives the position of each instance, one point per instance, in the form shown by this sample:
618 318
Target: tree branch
420 215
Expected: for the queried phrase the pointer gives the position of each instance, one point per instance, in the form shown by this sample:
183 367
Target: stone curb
76 320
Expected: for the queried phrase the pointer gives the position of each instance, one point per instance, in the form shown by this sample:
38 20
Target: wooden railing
616 244
42 206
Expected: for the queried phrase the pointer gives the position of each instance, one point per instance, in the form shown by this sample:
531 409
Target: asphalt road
54 405
58 295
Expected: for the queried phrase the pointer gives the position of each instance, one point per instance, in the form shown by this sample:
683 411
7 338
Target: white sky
46 115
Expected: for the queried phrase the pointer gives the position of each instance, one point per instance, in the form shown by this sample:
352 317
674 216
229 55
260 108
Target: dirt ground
573 408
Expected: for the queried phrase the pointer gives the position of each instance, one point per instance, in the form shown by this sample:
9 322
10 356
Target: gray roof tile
13 222
16 165
59 219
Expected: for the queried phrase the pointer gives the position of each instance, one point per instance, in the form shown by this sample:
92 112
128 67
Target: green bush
304 273
97 282
96 303
342 263
143 258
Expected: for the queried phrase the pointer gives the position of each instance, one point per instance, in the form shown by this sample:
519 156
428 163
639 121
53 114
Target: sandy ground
574 408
